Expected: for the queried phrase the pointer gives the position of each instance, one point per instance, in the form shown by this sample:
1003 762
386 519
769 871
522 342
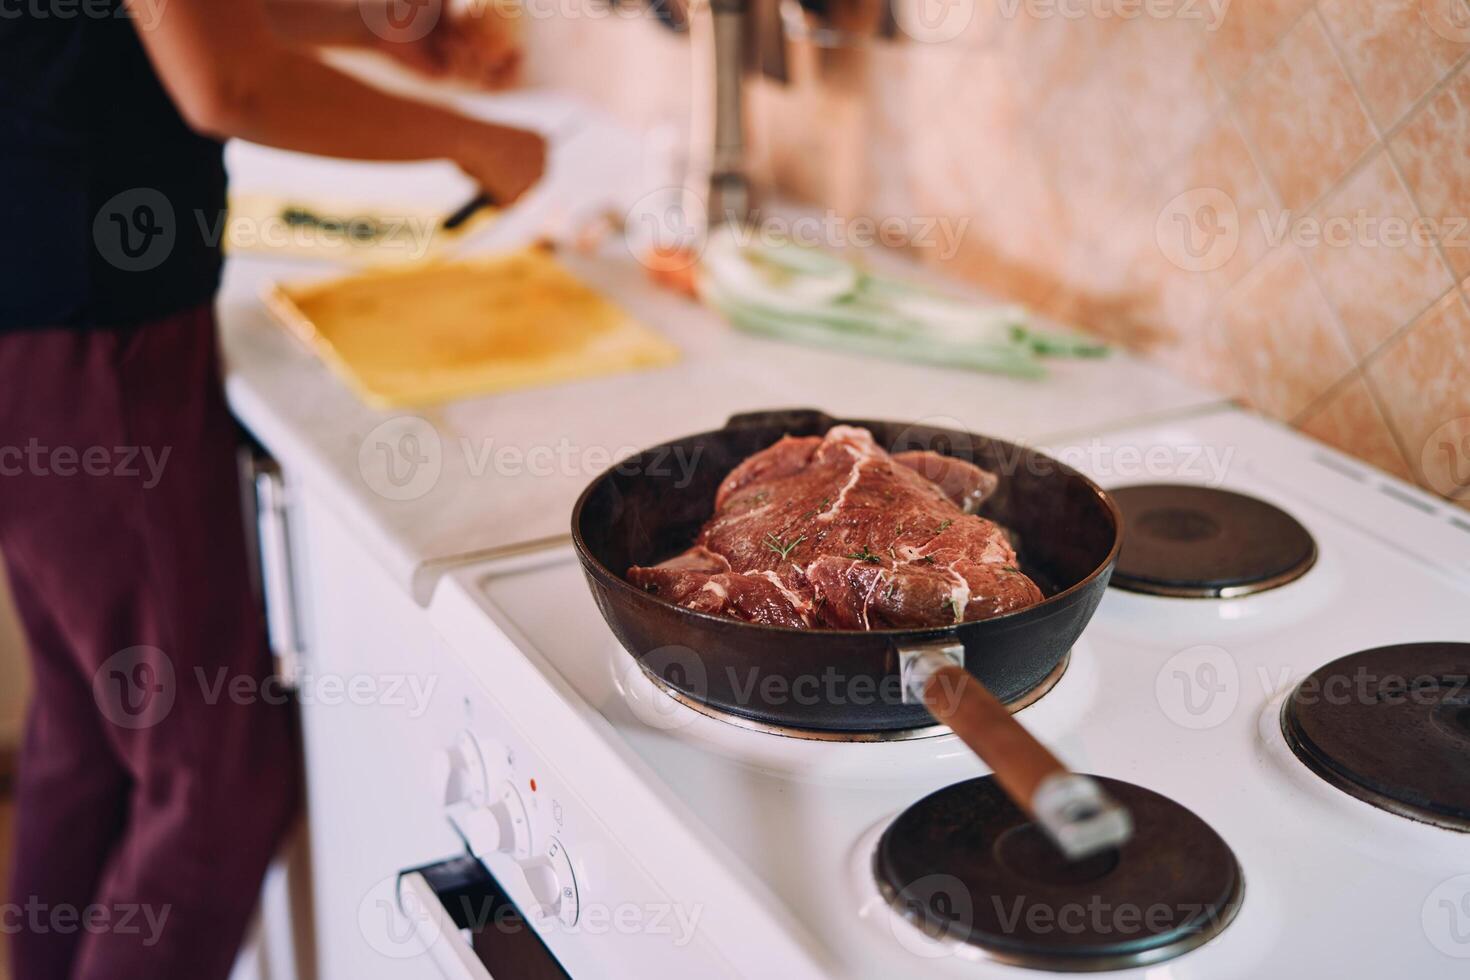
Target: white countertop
501 471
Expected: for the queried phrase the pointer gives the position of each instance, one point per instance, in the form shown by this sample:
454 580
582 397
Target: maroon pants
158 772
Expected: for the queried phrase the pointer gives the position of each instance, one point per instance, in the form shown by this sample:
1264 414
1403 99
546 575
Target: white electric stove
644 838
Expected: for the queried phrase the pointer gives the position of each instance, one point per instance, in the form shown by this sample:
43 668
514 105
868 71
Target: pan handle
1073 809
786 418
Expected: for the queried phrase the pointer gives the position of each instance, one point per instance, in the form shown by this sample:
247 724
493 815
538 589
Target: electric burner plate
1390 726
1203 542
965 865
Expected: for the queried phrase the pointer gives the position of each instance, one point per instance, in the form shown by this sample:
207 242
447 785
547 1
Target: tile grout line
1383 138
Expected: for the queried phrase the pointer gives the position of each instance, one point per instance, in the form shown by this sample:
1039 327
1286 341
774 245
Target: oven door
469 925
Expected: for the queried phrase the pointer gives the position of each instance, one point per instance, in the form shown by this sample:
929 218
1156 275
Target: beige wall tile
1281 330
1433 148
1218 161
1349 419
1161 86
1202 354
1375 258
1393 49
1303 116
1248 32
1423 382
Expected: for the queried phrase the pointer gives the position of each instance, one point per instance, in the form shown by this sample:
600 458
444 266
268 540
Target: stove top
1205 542
1177 702
1390 726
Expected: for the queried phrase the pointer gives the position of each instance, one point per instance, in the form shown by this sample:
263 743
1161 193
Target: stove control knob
499 827
459 772
553 884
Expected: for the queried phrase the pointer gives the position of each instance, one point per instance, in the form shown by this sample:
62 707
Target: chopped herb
927 559
780 548
1010 568
946 523
867 556
826 502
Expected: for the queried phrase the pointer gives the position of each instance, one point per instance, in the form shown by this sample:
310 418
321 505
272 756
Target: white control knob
500 826
459 772
553 884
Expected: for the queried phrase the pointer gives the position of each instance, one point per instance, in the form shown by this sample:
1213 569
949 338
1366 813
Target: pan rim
1115 513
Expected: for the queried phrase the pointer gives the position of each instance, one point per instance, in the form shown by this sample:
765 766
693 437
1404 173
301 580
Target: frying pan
650 507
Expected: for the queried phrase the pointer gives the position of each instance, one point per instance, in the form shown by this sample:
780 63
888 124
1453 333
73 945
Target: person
155 779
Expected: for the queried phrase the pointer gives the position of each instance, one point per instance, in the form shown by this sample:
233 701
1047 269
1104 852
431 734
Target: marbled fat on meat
832 532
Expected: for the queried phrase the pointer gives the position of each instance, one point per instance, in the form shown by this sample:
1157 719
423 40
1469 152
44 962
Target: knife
466 211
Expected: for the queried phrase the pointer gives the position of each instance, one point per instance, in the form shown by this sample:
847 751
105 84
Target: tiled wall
1275 202
1180 185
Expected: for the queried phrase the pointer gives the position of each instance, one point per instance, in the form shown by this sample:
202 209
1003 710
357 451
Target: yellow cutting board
444 330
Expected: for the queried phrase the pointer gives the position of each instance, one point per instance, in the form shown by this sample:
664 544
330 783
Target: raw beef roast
833 532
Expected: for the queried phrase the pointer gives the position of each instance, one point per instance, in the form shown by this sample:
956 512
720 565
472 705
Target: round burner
1200 542
966 865
1390 726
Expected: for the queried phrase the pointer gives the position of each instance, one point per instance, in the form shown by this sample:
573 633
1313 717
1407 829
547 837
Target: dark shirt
112 208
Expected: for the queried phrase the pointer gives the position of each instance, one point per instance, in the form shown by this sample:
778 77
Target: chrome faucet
716 174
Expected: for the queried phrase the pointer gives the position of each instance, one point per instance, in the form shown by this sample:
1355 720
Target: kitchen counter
431 488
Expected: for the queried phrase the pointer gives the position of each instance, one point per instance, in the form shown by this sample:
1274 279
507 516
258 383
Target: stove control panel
553 883
483 806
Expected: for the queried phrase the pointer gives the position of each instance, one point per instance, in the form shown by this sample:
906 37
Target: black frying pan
651 506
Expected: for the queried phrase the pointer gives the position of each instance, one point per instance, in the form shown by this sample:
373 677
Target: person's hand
506 162
478 42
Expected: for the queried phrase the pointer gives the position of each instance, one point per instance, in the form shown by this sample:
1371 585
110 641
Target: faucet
716 175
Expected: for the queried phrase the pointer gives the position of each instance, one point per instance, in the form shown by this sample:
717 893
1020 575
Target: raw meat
832 532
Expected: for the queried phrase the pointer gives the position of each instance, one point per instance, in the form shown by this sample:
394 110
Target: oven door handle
463 918
436 930
278 572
